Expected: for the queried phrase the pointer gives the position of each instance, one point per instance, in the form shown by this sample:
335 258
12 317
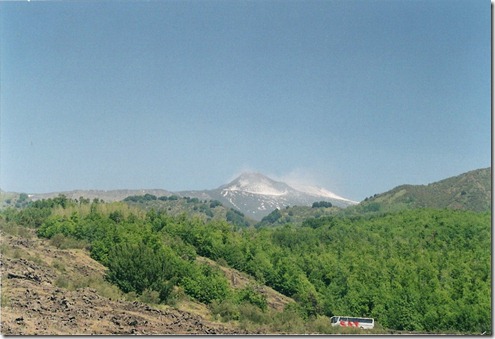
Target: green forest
425 270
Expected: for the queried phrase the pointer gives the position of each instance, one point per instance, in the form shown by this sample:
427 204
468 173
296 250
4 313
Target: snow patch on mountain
255 183
257 189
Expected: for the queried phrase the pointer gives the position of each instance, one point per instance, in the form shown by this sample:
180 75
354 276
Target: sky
356 96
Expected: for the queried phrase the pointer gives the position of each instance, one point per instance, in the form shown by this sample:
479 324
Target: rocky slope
34 303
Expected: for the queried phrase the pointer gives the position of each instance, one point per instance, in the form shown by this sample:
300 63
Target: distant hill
468 191
107 196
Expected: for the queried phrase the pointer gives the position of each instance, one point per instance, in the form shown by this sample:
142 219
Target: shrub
62 242
62 281
206 285
176 295
272 217
150 297
59 265
249 312
215 203
225 309
321 204
131 296
320 324
251 295
289 321
57 240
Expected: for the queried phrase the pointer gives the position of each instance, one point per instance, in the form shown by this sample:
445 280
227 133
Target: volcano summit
256 195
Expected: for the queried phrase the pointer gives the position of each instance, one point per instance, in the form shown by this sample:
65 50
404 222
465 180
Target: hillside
468 191
192 207
54 290
51 291
297 215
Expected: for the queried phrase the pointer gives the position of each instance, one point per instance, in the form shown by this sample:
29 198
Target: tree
322 204
272 217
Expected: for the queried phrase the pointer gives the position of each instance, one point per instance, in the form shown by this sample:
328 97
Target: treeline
419 270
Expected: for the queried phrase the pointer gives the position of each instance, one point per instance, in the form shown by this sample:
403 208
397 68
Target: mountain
256 195
253 194
468 191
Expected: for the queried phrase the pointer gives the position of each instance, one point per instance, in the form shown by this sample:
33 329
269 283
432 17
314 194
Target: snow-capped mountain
256 195
256 183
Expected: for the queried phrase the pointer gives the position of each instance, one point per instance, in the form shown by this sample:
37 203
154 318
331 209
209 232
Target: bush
215 203
206 285
131 296
150 297
62 242
57 240
251 313
272 217
323 204
62 281
59 265
290 320
321 325
251 295
176 295
225 309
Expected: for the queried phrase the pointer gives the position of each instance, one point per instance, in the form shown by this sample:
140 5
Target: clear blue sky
354 96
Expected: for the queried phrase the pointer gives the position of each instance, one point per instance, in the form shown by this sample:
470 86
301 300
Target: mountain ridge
471 190
257 195
252 193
